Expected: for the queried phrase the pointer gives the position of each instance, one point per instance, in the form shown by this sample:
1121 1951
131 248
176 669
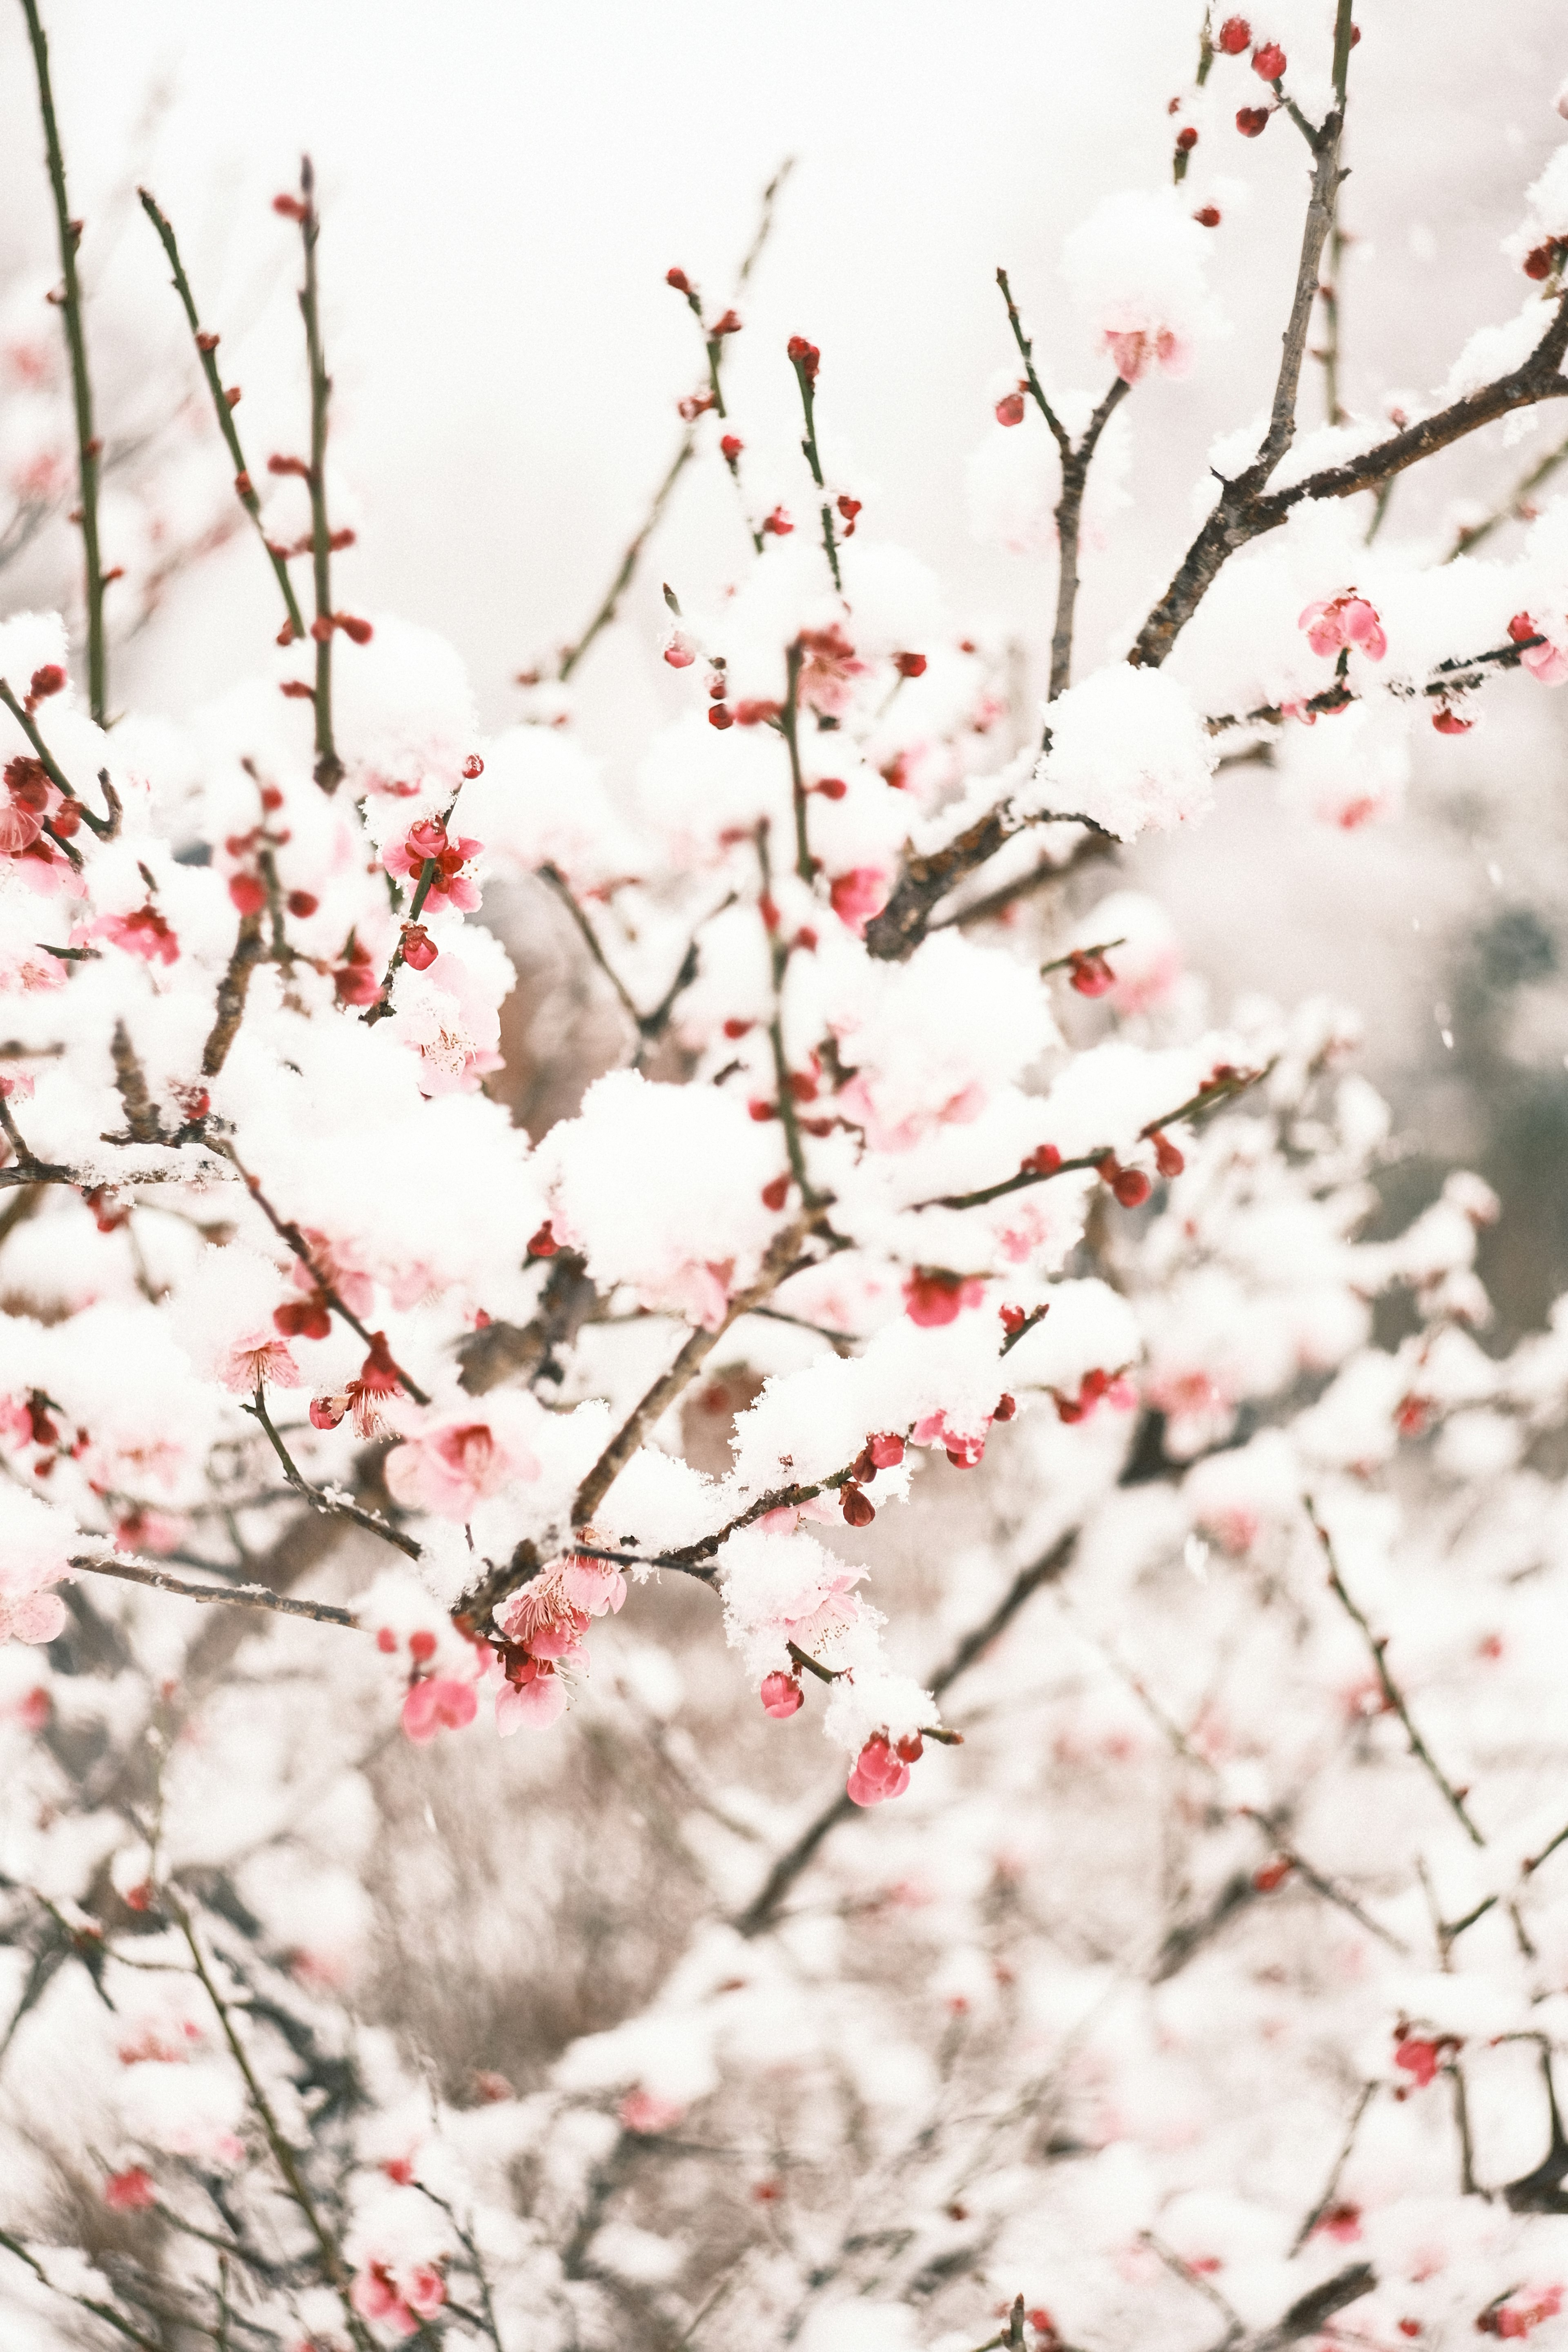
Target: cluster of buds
1094 1387
46 679
1544 261
882 1767
427 855
1130 1185
883 1451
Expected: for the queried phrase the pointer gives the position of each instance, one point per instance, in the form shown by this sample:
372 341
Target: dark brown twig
89 448
243 1596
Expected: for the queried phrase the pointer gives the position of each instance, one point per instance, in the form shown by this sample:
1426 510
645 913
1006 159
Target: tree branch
89 449
245 1596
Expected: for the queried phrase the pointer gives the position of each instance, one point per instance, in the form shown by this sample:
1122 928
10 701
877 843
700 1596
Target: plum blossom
452 1461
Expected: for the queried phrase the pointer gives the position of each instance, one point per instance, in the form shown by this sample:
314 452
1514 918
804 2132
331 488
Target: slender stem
329 767
628 563
1328 353
288 1230
282 2154
1208 1098
1331 2187
1513 507
245 1596
693 1355
89 449
103 2311
1378 1646
206 351
105 827
1069 519
1025 352
789 726
762 1909
809 450
317 1500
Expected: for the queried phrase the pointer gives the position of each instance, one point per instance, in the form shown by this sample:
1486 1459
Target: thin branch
1069 519
317 1497
105 827
1378 1646
223 409
246 1596
1514 508
764 1908
699 1345
555 881
283 2155
103 2311
89 449
1310 2314
805 377
1332 2186
1208 1098
288 1230
329 768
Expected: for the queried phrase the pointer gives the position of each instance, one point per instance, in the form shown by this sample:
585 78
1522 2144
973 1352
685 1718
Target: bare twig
223 409
89 448
764 1908
316 1496
329 766
1377 1645
1331 2187
245 1596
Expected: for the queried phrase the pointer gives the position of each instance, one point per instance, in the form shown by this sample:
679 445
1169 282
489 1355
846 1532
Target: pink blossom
934 1297
456 1462
440 1703
1138 349
537 1697
880 1773
258 1356
829 664
859 895
144 933
1348 621
131 2191
641 2110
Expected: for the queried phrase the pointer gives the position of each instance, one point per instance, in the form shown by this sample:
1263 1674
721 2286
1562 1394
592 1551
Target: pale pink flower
1138 349
457 1462
859 895
642 2110
258 1356
440 1703
829 663
1348 619
34 1617
538 1697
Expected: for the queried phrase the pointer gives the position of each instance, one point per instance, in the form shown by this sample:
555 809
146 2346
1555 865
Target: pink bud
781 1695
1252 122
679 651
1010 408
419 950
1234 36
1270 61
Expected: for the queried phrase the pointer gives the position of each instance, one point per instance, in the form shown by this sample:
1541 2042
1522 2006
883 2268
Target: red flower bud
1186 141
1013 1320
778 524
205 342
805 356
1043 1161
1167 1158
1272 1875
425 840
49 679
248 893
1007 1406
419 950
1252 122
544 1244
775 1194
303 1318
276 465
730 447
1234 35
859 1510
1522 628
472 766
1538 262
1010 408
678 280
1207 216
832 788
720 715
361 632
422 1646
730 324
909 664
327 1411
1132 1187
912 1747
301 903
1449 723
290 207
1270 61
